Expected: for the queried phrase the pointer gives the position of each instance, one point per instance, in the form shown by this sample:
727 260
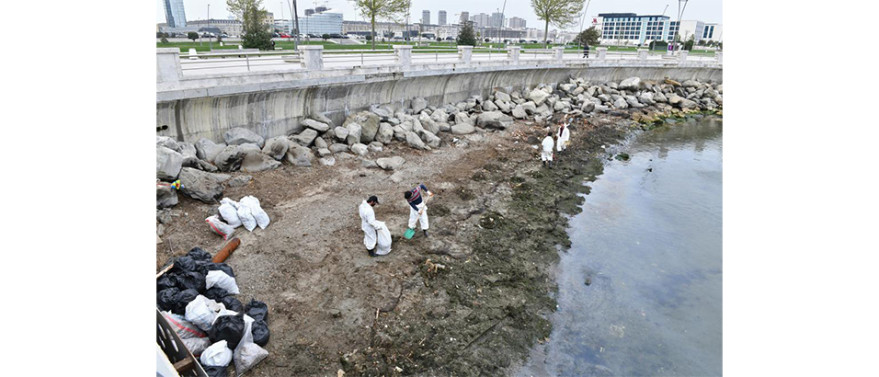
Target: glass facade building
326 22
174 14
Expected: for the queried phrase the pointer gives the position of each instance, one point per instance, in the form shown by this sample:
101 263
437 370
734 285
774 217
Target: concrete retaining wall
272 113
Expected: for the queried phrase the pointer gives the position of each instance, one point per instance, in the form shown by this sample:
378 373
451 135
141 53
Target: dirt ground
470 299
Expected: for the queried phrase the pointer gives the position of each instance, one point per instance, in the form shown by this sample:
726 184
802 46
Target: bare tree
373 9
560 13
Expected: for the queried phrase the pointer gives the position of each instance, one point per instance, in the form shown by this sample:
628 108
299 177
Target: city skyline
709 11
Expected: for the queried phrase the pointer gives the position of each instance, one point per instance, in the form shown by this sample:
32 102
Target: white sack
384 239
246 217
217 355
217 278
202 311
219 227
230 215
262 218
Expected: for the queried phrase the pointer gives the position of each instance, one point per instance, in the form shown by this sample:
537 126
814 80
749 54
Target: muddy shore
471 299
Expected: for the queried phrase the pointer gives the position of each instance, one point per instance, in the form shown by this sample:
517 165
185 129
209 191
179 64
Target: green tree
192 35
373 9
588 36
253 23
325 36
557 12
688 45
466 37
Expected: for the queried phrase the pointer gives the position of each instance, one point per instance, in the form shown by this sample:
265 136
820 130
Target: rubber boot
425 233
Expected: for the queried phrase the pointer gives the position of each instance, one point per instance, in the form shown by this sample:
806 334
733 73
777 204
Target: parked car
450 38
522 41
534 41
335 35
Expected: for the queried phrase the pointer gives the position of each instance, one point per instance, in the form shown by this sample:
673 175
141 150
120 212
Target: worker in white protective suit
375 233
564 135
546 153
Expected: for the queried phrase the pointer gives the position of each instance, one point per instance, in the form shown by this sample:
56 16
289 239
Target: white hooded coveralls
564 136
369 225
546 153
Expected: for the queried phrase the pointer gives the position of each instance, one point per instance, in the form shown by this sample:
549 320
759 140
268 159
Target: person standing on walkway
546 153
585 50
418 206
564 135
369 224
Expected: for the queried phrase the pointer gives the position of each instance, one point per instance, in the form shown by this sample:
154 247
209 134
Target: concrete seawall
274 112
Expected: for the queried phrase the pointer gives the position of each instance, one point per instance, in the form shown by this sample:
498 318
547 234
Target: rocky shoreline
475 297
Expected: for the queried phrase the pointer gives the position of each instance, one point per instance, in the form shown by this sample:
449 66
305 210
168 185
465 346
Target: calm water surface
649 243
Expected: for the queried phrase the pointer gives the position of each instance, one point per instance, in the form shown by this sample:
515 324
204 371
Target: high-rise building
441 18
481 20
496 19
309 12
517 23
465 16
425 17
327 21
174 14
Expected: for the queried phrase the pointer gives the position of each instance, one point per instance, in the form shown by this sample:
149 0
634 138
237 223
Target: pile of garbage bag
197 297
246 212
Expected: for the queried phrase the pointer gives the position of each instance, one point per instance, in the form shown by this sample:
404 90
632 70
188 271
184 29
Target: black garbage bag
258 310
217 371
199 255
190 280
220 266
184 264
182 299
229 328
165 282
165 298
260 331
216 294
232 303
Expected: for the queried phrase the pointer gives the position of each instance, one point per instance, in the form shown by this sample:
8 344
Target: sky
702 10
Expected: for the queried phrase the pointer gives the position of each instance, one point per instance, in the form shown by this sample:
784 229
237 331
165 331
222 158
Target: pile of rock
200 166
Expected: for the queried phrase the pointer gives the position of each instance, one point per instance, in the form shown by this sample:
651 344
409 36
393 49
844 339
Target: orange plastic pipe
226 251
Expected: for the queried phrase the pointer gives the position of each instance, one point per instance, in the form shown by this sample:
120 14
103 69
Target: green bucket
409 233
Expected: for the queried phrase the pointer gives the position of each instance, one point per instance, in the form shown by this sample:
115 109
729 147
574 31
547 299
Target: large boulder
166 196
588 107
390 163
338 148
327 161
187 149
633 101
168 163
519 112
463 129
340 133
498 95
561 106
207 150
229 159
385 133
298 155
686 104
320 143
315 125
494 119
249 148
691 84
368 122
322 118
430 139
462 117
360 149
400 132
203 186
238 136
674 99
646 97
659 97
503 105
530 107
196 163
414 141
354 133
440 116
428 124
538 96
305 138
256 162
631 83
489 106
168 142
418 104
620 103
382 111
276 147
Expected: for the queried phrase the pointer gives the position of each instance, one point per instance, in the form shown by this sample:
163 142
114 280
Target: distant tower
309 12
425 17
465 16
320 9
441 18
174 14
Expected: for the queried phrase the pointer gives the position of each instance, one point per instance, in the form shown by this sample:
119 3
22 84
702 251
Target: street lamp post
680 15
